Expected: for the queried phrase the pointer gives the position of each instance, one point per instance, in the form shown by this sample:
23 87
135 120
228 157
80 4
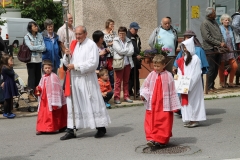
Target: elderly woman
229 38
34 41
123 49
52 45
109 35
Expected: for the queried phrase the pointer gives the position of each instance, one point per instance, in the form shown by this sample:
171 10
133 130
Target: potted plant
158 49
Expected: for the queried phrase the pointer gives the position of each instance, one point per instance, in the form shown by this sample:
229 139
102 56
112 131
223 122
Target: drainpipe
237 5
73 11
212 3
187 15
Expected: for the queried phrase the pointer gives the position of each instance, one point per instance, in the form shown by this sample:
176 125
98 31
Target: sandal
223 85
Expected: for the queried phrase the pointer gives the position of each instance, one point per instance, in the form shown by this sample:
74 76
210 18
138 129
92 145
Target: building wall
93 14
194 24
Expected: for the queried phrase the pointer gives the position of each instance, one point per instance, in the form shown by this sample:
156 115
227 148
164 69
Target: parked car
13 31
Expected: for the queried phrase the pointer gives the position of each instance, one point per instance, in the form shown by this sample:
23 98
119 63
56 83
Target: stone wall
94 13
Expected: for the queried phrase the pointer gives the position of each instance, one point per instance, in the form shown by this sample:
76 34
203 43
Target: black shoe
160 145
99 134
67 136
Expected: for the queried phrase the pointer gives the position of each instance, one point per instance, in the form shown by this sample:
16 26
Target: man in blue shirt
165 34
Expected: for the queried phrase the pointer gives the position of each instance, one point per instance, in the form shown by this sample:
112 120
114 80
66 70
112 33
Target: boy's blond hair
102 72
159 59
47 62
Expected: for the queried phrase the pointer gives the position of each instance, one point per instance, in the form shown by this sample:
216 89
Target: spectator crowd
99 69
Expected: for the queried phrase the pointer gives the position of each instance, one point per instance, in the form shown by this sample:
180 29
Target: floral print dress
230 55
108 38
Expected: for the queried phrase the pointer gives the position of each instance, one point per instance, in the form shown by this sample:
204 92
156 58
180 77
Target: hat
189 33
134 25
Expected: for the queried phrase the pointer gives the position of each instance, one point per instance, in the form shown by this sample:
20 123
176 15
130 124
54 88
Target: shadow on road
210 122
15 158
211 111
182 140
111 132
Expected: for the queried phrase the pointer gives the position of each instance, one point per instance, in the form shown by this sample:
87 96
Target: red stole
67 91
184 97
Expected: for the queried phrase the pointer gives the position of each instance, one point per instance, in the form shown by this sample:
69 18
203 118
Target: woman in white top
123 49
35 43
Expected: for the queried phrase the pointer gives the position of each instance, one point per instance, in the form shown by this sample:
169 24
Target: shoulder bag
118 64
24 53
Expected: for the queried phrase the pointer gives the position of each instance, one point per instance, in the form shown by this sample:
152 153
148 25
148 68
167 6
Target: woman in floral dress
229 37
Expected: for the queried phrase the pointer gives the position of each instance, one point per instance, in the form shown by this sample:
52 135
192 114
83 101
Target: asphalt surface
217 138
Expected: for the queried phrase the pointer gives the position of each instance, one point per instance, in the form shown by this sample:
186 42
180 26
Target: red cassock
50 121
158 123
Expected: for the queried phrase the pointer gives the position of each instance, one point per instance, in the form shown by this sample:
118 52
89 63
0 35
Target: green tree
40 10
2 10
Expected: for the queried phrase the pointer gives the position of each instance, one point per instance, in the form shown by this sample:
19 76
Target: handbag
24 53
118 64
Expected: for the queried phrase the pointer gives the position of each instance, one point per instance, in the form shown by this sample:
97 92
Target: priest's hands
70 67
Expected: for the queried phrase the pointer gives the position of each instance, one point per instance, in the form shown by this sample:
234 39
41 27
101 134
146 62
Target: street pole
65 6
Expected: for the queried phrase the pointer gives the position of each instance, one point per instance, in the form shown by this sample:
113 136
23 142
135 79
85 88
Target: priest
84 95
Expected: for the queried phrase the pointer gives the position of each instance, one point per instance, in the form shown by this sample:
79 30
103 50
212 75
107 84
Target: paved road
217 138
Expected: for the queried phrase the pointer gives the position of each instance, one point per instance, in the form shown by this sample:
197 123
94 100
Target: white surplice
195 110
89 107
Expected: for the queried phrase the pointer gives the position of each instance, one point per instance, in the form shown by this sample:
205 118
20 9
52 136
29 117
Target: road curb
223 95
135 103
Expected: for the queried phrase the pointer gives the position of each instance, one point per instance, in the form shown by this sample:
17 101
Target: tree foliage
2 10
40 10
